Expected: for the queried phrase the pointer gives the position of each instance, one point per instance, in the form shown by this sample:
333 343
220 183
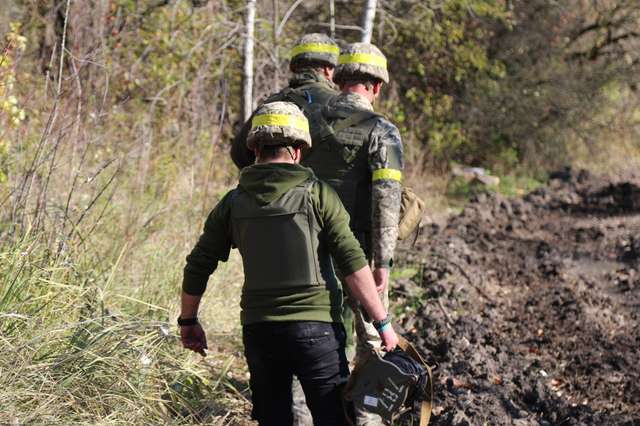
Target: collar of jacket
267 182
309 77
351 100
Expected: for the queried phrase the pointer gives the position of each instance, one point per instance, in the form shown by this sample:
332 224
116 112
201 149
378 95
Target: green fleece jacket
267 183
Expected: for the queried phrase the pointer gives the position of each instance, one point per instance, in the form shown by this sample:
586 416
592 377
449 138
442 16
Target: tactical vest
311 98
280 242
339 156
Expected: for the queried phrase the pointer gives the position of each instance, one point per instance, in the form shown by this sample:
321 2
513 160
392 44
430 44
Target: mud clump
529 308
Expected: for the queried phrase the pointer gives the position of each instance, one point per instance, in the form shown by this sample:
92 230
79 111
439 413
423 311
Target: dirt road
530 307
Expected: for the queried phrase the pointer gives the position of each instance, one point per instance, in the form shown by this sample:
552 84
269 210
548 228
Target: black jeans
314 352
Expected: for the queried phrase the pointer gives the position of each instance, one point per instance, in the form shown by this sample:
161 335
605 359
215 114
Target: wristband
187 321
384 327
380 324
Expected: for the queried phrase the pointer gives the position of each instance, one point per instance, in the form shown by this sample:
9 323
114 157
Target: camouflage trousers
367 340
301 413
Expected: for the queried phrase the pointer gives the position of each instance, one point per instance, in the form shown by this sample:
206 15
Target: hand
389 339
381 277
194 338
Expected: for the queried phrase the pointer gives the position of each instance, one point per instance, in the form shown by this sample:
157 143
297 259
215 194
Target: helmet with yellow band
359 60
313 50
279 123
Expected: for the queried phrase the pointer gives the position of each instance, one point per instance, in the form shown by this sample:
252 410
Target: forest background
115 123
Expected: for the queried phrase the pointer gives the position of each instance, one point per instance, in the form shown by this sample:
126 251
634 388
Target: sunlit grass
94 340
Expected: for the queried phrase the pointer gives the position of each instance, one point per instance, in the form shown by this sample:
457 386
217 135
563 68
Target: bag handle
427 404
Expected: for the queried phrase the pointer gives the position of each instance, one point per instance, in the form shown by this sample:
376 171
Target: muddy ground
529 308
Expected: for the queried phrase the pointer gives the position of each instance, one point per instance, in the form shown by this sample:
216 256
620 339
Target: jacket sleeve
334 220
212 247
240 154
386 164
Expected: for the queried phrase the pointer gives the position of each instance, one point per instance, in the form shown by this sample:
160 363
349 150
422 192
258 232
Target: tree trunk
367 21
247 72
332 18
276 57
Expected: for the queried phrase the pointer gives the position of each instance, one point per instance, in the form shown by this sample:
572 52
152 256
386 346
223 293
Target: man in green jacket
313 59
287 226
361 157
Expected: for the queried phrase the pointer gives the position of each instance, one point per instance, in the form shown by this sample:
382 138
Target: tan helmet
314 48
279 123
361 59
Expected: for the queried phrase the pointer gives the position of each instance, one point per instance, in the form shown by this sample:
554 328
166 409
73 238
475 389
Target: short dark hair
271 152
314 66
352 79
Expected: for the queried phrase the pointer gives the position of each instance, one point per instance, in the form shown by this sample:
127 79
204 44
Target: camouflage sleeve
240 154
386 163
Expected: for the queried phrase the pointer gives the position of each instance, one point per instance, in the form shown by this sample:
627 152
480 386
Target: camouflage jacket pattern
317 88
385 154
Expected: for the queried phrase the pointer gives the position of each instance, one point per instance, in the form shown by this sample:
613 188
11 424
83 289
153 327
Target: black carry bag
390 385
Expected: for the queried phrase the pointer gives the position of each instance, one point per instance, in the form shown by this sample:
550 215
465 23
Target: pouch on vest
389 385
411 209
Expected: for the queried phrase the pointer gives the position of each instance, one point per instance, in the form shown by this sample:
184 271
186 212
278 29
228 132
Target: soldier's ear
298 152
328 72
377 87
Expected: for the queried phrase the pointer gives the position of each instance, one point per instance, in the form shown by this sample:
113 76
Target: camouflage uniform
379 175
384 153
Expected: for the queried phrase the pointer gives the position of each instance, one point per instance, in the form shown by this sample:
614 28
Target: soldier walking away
287 226
359 154
313 59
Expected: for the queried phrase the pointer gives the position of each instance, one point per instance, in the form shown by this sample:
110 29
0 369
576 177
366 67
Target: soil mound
529 307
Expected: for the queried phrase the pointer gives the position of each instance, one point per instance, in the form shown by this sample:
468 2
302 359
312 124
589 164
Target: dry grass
88 345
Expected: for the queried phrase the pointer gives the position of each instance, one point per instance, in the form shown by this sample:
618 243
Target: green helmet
279 123
361 59
314 48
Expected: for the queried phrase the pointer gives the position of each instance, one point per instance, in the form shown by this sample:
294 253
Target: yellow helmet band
282 120
363 58
315 48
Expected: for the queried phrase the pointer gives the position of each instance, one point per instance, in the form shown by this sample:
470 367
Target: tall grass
101 202
77 346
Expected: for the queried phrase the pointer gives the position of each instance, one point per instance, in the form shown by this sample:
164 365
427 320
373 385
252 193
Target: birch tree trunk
247 69
367 21
276 56
332 18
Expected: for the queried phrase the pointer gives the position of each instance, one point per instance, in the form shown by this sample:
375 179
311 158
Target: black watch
187 321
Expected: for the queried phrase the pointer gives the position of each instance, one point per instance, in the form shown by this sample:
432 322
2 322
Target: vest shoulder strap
295 96
354 119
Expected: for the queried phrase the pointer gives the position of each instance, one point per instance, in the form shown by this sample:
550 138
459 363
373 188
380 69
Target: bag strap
294 96
426 405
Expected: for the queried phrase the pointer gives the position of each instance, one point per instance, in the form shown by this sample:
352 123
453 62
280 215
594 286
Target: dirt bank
530 307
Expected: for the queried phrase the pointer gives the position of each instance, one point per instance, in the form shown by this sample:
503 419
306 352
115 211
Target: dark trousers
314 352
